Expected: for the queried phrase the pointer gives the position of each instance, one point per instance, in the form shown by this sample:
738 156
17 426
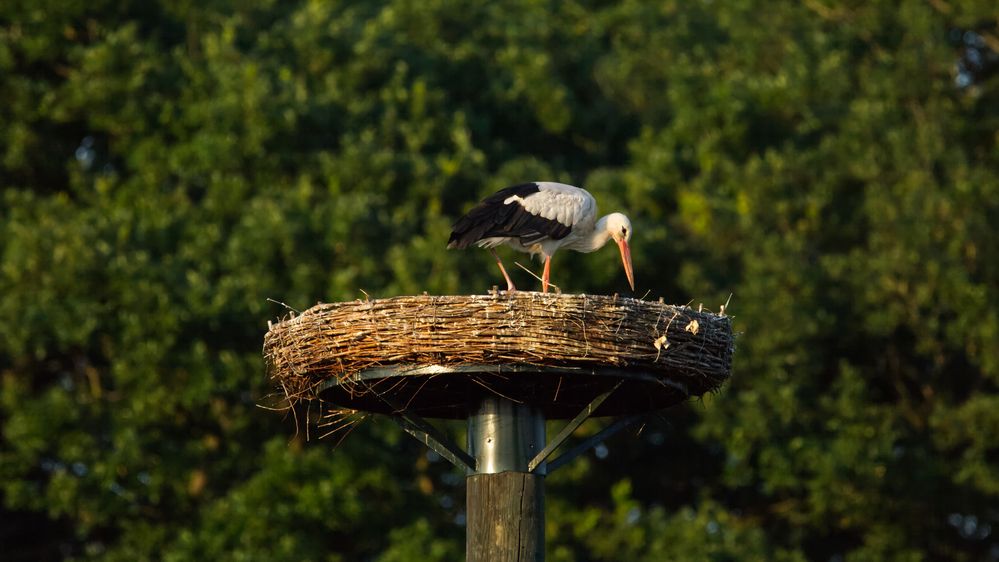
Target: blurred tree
165 168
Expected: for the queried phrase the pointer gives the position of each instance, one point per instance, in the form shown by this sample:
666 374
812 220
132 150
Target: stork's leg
544 277
509 284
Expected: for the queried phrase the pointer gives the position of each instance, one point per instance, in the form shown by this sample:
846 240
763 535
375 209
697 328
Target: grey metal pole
505 510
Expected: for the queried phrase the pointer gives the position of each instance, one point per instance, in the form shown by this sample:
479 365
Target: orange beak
622 245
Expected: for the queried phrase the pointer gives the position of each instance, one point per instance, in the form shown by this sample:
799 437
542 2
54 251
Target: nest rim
416 353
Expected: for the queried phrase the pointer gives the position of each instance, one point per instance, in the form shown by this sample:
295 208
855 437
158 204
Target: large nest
333 345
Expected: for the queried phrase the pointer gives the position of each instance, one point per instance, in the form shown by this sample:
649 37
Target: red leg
544 278
509 284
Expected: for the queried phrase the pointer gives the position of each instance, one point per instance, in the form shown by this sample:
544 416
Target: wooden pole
505 517
505 502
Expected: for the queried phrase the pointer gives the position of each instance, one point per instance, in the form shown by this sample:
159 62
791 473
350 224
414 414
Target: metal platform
455 392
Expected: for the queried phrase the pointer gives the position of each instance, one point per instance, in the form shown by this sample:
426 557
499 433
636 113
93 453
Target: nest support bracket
569 429
424 432
430 436
593 441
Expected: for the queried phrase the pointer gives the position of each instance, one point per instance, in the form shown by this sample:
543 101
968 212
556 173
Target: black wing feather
493 219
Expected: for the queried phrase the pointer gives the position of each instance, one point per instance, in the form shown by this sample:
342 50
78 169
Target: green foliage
167 169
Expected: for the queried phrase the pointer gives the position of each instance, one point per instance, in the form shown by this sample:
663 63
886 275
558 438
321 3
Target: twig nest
551 350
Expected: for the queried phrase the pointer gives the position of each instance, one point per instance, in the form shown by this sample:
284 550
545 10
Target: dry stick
517 263
293 413
308 411
725 306
284 305
342 422
272 408
479 382
355 424
333 414
413 397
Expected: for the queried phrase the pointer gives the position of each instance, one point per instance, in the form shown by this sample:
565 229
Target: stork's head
619 228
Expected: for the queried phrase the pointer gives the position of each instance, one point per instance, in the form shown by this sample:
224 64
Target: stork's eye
624 231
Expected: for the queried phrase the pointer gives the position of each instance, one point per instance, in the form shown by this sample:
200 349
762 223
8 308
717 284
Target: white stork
540 218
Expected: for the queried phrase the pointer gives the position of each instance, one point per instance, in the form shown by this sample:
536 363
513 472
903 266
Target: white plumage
540 218
564 203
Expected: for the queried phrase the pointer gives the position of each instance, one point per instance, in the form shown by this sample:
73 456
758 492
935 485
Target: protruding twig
284 305
517 263
724 307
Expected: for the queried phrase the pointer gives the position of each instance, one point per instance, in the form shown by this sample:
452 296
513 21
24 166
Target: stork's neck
596 239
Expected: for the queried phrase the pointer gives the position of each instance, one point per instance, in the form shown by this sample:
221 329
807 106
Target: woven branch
341 339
